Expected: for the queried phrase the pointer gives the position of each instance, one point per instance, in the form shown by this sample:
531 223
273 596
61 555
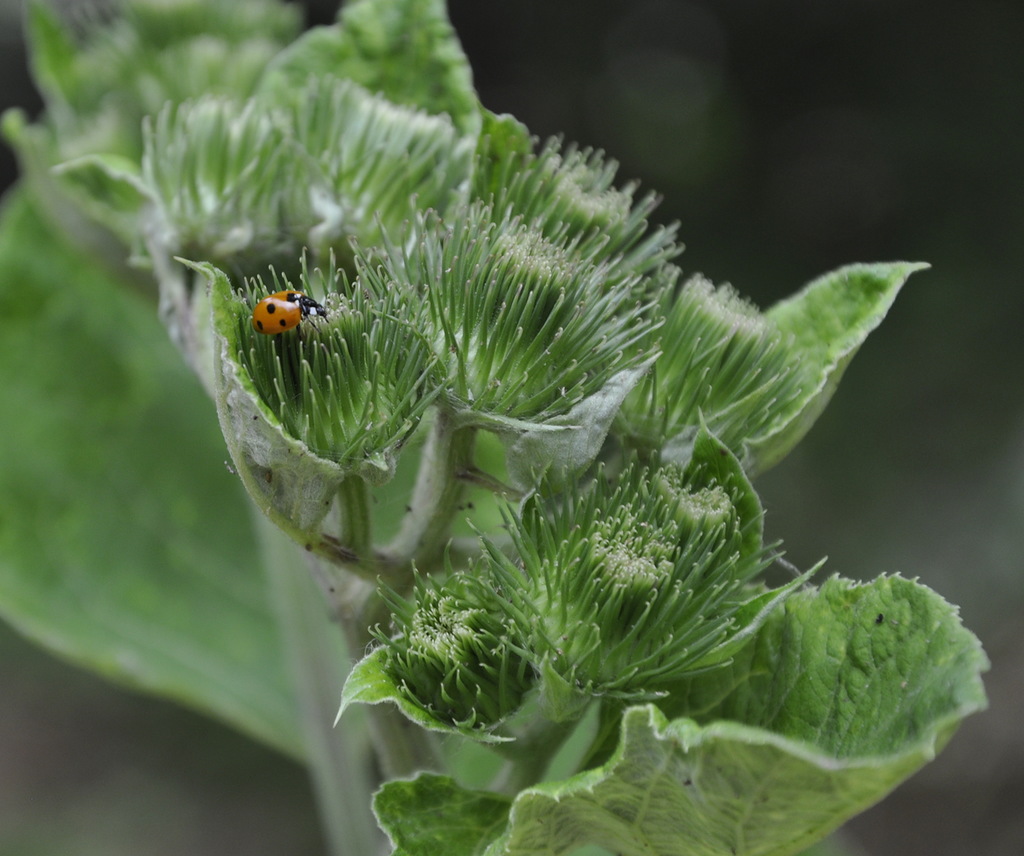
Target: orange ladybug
283 311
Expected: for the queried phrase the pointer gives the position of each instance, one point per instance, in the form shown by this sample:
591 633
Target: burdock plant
514 451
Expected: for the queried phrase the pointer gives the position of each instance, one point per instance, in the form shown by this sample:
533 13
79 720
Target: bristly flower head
351 387
569 195
723 362
525 326
644 579
635 587
454 652
222 174
103 73
372 163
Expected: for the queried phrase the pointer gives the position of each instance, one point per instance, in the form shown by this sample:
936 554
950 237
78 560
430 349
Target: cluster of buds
491 316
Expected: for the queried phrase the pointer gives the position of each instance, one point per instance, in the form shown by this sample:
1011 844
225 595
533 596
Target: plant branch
436 498
337 758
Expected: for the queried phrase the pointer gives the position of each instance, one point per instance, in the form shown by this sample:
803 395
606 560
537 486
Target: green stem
337 758
531 754
436 498
356 522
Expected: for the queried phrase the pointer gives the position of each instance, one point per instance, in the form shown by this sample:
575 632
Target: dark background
787 138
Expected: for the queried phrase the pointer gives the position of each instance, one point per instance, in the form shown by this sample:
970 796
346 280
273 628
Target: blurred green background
787 138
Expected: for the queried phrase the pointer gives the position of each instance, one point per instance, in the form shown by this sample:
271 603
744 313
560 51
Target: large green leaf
125 543
845 692
433 816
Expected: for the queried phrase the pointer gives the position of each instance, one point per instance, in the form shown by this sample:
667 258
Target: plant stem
436 498
336 757
532 754
356 523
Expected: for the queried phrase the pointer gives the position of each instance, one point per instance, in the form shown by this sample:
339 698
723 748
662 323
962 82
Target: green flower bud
723 362
321 411
525 327
642 580
351 386
569 197
455 654
373 163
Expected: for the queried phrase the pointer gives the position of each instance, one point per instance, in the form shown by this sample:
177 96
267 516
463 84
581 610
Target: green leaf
565 445
856 669
844 693
433 816
125 544
404 49
110 189
828 320
713 463
52 50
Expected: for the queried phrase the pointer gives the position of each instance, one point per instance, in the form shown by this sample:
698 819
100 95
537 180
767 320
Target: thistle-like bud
643 580
323 404
372 163
723 362
568 195
455 652
102 74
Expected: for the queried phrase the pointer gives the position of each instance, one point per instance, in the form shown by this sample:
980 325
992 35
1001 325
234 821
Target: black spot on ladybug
259 324
271 309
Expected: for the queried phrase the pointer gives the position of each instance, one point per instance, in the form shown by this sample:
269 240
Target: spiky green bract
372 163
352 387
618 593
524 327
723 362
568 196
101 74
456 652
642 579
223 174
246 183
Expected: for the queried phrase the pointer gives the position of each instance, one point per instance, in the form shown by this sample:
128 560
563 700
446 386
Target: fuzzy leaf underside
566 445
125 542
826 711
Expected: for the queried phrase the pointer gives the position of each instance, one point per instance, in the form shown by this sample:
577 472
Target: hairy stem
337 758
436 498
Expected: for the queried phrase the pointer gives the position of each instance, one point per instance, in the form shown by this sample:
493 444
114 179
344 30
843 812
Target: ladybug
284 310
